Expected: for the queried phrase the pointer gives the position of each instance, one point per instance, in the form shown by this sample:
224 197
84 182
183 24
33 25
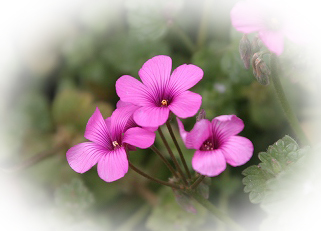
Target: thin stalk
216 212
164 160
172 156
289 114
152 178
178 149
197 182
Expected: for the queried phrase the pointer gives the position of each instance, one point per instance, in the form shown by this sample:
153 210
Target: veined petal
151 116
273 40
247 16
237 150
225 126
113 166
139 137
97 130
209 163
83 156
200 133
155 73
186 104
121 120
182 132
133 91
184 77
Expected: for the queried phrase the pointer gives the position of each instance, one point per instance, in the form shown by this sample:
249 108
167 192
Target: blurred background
60 60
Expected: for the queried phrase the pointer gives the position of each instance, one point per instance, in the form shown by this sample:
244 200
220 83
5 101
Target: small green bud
245 49
203 189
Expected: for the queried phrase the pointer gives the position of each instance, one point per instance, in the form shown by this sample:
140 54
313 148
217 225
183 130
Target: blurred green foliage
53 110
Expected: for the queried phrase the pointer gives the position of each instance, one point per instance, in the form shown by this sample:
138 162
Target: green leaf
278 158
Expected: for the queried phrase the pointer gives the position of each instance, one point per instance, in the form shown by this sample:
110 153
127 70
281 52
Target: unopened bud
260 70
203 189
245 50
185 201
201 115
256 44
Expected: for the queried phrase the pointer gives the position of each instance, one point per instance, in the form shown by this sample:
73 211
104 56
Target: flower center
164 103
115 144
207 146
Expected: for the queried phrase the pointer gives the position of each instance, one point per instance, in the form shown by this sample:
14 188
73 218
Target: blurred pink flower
160 91
216 143
108 142
271 19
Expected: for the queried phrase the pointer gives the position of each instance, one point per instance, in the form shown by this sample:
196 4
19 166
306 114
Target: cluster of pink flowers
146 105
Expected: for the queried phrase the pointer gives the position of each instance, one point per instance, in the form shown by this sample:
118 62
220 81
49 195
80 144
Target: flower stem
197 182
164 160
292 119
178 148
152 178
215 211
172 156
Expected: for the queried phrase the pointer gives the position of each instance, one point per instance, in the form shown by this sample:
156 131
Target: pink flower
272 20
108 142
216 143
161 91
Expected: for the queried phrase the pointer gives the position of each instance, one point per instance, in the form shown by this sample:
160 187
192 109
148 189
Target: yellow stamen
164 102
115 143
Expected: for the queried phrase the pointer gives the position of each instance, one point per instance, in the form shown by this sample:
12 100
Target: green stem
164 160
216 212
152 178
197 182
292 119
184 37
178 149
172 156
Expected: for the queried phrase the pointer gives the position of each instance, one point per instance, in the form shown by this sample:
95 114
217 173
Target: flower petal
237 150
121 120
184 77
133 91
273 40
225 126
247 16
186 104
182 131
155 73
151 116
83 156
209 163
97 130
200 133
113 166
139 137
